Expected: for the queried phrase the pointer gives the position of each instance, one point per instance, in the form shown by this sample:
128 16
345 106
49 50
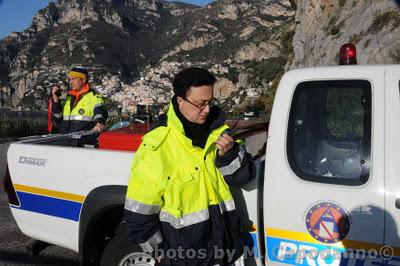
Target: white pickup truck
329 194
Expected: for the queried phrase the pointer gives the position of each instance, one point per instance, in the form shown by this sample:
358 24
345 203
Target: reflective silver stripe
227 206
66 117
80 118
138 207
97 105
234 165
59 115
185 220
97 117
151 244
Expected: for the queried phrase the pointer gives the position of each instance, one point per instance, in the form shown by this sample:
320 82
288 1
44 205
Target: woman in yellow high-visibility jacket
178 196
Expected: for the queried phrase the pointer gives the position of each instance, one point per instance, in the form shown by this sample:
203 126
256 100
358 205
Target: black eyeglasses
211 103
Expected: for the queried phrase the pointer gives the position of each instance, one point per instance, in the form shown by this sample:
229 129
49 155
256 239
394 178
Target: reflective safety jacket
178 196
83 116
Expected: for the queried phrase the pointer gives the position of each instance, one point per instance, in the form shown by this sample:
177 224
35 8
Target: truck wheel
121 252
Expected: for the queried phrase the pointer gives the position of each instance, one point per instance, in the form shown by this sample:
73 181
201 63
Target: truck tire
119 251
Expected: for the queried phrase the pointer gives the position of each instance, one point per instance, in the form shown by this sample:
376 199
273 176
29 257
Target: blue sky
16 15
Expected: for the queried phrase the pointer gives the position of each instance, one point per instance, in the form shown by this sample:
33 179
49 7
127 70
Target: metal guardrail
19 124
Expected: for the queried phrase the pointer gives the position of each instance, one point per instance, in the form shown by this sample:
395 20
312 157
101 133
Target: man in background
83 108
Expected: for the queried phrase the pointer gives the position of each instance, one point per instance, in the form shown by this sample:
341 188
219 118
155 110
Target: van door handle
397 203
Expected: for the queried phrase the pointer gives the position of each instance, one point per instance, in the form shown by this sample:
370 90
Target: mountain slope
133 48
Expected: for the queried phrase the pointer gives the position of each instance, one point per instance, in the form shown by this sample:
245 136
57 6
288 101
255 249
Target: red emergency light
348 54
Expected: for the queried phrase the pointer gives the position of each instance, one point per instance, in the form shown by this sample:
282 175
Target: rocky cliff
323 26
133 48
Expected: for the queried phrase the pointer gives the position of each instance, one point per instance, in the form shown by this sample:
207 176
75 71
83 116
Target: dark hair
192 76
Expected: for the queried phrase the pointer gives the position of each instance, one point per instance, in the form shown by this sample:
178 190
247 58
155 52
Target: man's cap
78 72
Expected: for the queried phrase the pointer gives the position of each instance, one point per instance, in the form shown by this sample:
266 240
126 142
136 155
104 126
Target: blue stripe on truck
49 206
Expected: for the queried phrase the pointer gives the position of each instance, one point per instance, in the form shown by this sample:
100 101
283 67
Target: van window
329 133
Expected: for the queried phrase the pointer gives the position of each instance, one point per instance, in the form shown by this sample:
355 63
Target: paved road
13 243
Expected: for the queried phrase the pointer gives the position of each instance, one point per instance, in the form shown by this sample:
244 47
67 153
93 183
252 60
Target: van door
323 202
392 164
249 208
